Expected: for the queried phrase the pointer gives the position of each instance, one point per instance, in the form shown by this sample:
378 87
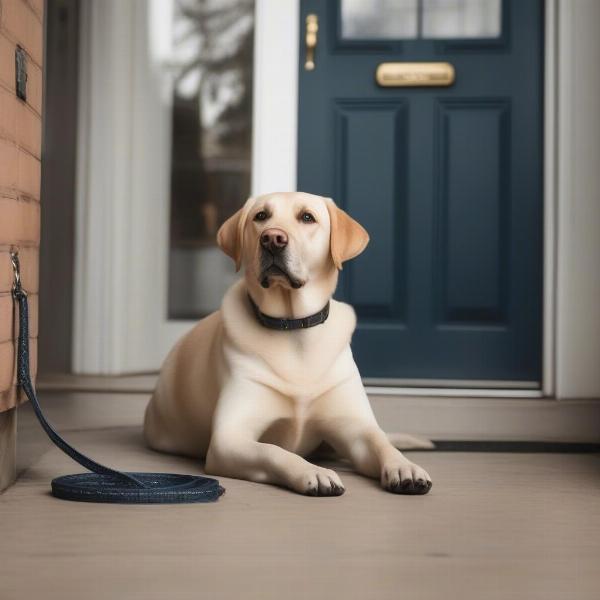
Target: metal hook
14 259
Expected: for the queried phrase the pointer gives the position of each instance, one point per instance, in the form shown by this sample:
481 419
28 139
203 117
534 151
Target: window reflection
211 144
461 18
379 19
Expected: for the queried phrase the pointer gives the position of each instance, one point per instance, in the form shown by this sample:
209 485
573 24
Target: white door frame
121 265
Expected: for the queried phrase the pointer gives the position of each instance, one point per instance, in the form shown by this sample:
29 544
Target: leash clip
14 259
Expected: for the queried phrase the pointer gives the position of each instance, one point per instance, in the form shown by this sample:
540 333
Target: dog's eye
307 218
261 216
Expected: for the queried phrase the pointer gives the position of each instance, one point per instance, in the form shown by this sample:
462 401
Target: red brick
7 63
7 74
9 109
29 129
38 8
20 173
9 165
21 24
7 312
20 123
19 222
34 87
29 175
8 371
7 360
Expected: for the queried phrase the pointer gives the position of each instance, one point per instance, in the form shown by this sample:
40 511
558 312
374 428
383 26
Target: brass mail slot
414 74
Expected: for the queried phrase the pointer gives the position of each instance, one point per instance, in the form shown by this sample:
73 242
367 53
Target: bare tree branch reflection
212 108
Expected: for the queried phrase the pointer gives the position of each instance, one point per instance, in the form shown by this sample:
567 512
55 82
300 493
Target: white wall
275 103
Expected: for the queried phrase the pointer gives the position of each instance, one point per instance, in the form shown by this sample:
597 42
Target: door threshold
481 384
487 419
379 390
145 383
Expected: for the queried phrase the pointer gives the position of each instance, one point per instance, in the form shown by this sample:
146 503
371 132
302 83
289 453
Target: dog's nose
274 239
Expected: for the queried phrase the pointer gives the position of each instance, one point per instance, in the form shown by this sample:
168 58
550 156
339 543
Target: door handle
312 28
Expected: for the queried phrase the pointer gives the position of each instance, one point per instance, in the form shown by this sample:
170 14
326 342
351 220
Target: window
426 19
211 145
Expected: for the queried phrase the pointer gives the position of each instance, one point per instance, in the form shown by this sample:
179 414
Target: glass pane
211 145
379 19
461 18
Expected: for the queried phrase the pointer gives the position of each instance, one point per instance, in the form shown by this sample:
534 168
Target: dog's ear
348 238
230 236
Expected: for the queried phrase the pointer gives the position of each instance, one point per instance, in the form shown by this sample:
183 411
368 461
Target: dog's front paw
405 478
319 482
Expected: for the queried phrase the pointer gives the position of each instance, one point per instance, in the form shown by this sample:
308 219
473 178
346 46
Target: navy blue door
447 180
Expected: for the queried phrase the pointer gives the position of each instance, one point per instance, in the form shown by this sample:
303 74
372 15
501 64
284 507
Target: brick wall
21 23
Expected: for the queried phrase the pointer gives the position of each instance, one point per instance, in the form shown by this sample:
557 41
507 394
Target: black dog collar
289 324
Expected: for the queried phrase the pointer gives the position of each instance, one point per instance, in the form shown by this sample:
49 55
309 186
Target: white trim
550 169
275 126
578 206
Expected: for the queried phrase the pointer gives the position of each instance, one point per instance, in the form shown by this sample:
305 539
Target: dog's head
287 239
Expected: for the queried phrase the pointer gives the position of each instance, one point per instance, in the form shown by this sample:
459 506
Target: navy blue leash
103 484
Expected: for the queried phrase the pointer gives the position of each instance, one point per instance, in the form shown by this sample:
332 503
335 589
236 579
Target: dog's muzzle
273 261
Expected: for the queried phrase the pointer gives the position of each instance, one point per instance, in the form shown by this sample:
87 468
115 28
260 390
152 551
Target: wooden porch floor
495 526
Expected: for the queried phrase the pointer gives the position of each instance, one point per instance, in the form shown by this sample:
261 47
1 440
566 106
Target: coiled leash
103 484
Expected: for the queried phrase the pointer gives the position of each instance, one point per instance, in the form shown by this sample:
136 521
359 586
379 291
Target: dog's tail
405 441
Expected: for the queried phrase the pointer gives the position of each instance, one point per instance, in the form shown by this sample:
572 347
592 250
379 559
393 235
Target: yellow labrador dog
270 376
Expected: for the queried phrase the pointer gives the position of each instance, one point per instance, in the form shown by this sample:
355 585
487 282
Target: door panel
471 140
383 126
448 182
